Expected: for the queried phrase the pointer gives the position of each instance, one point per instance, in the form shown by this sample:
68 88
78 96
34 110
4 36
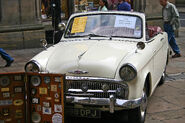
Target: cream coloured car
110 62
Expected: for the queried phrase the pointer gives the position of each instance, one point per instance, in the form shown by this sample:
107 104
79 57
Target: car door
159 57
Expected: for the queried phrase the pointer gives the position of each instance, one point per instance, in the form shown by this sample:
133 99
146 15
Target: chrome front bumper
111 102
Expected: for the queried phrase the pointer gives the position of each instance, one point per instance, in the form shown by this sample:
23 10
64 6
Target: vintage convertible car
111 63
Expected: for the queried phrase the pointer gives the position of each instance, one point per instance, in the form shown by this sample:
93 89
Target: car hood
93 58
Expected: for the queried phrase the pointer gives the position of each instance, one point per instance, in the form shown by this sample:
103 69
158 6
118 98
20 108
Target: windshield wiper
93 35
96 35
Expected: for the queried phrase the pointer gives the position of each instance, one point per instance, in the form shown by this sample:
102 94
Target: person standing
9 60
171 22
112 4
56 13
124 6
103 5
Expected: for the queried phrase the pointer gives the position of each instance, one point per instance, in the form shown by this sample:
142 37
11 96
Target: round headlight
32 66
127 72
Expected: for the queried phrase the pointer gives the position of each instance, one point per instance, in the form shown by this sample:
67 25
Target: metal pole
54 17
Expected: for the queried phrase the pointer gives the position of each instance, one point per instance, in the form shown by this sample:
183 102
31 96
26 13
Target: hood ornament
80 56
78 72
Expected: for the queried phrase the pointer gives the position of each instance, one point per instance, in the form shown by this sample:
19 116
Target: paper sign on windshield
79 24
125 21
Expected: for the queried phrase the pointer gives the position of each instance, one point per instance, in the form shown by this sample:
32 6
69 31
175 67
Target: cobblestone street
166 105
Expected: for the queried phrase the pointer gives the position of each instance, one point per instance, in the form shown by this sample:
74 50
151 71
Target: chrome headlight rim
131 67
35 64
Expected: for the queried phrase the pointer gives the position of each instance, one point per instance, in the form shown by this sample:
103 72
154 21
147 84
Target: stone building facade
20 24
153 12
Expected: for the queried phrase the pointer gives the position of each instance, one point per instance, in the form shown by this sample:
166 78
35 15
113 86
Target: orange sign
79 24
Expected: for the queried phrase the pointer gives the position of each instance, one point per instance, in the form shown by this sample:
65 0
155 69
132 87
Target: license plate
88 113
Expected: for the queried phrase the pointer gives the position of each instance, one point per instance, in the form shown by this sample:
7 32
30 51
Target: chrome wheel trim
143 106
164 75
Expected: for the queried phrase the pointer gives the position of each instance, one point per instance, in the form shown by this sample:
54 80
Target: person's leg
174 45
171 39
6 57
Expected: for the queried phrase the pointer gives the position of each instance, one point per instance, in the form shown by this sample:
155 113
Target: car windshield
105 25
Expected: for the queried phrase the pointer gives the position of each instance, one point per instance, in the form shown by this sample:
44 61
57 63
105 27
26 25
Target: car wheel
138 114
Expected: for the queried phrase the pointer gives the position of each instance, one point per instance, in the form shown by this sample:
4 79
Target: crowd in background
120 5
104 5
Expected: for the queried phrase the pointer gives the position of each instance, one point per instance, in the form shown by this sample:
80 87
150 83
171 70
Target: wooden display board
32 98
12 98
46 97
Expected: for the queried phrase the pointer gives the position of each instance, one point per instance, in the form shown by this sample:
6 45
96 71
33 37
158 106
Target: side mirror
62 26
140 46
43 43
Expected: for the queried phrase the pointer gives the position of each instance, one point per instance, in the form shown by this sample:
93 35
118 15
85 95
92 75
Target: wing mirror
43 43
62 26
140 46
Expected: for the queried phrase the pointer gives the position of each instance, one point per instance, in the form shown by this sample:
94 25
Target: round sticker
36 118
47 79
57 118
35 80
4 81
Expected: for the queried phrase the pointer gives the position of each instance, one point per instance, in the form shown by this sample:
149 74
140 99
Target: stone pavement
166 105
21 57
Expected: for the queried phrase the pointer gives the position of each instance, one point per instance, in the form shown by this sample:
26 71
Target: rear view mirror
44 43
140 46
62 26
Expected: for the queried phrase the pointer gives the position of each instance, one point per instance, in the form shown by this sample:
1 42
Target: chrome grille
94 85
94 89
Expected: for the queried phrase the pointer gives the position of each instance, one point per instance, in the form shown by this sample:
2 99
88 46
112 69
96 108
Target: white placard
125 21
57 108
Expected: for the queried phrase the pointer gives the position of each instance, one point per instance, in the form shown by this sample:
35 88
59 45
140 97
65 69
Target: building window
46 9
49 6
